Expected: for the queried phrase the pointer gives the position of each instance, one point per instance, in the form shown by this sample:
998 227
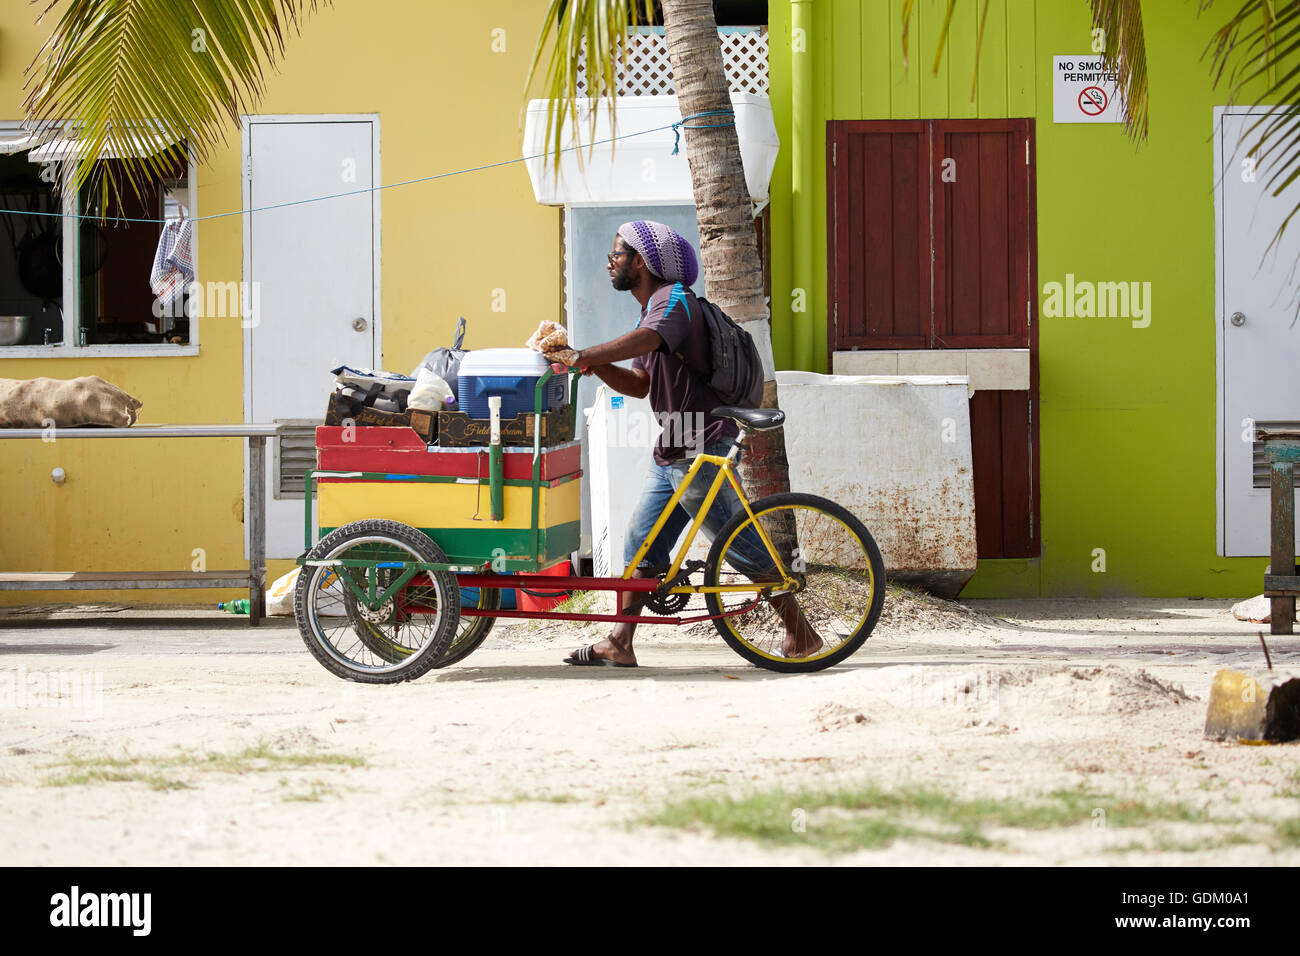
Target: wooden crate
458 430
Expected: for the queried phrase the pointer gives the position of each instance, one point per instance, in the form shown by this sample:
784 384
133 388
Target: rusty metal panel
898 457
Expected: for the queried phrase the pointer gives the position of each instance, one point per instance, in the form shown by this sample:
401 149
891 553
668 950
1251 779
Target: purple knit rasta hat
668 255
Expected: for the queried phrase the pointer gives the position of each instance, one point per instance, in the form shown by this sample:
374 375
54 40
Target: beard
624 279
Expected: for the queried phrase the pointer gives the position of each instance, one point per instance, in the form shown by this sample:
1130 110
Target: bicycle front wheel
840 574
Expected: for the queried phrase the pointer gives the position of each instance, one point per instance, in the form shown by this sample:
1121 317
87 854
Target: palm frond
1256 52
597 29
1125 51
1126 54
116 73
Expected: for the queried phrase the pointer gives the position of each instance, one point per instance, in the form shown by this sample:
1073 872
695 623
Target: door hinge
1029 312
1026 152
835 152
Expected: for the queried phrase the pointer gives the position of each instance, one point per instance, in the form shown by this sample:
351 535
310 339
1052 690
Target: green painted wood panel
926 23
904 80
991 95
1022 26
844 67
960 57
878 53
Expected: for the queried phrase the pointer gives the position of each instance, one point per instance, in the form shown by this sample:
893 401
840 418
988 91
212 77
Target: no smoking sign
1084 91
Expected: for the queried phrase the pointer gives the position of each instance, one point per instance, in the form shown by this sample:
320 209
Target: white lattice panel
648 73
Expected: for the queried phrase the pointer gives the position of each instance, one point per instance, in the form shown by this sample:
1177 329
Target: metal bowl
13 328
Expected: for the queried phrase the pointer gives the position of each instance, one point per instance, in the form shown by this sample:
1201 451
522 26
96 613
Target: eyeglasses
613 256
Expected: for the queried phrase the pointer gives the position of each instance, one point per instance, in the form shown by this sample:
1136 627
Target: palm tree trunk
729 256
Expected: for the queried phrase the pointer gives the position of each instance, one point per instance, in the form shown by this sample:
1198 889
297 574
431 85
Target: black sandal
585 657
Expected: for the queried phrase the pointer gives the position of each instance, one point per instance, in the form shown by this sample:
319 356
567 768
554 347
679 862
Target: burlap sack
89 400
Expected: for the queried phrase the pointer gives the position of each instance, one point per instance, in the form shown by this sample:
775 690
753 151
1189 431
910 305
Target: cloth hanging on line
173 266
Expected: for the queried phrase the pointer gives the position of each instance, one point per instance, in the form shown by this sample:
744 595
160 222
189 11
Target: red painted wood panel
982 250
879 230
1005 475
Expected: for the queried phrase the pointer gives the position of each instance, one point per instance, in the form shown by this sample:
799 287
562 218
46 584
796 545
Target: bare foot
801 640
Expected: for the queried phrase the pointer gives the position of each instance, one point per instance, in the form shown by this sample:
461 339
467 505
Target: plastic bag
279 596
445 363
431 392
373 383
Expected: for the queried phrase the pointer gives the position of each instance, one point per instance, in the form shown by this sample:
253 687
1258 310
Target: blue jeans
746 553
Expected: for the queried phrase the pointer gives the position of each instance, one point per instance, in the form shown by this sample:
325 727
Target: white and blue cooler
511 374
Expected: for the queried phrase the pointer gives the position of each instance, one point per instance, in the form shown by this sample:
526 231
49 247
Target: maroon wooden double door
932 245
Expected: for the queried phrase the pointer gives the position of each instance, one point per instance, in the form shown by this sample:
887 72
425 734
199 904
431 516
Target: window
81 284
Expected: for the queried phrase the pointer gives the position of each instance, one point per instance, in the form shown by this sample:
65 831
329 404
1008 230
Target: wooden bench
1282 583
133 580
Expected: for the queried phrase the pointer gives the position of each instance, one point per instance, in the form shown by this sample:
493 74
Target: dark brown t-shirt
678 395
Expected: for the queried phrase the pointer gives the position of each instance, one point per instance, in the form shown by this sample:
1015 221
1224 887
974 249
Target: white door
1258 333
313 277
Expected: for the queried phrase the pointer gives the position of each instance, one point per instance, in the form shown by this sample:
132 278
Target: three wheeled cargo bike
412 545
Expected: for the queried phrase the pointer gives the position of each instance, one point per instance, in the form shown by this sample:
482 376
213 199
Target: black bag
737 373
445 363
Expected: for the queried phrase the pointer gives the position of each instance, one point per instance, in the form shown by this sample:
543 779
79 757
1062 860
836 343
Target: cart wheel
473 631
400 638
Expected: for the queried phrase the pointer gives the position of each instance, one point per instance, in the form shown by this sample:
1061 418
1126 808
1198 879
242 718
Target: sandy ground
512 757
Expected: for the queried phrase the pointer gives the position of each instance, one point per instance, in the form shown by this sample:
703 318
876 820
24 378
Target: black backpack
737 373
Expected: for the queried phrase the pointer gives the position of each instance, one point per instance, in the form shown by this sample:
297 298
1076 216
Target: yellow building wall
446 100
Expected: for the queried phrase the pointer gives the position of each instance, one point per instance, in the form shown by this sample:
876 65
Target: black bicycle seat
752 419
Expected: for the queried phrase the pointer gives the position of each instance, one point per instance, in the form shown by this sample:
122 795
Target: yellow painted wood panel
430 505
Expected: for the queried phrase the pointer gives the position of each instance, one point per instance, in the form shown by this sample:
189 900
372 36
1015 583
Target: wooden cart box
402 451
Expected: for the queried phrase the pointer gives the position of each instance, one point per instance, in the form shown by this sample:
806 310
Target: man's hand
565 357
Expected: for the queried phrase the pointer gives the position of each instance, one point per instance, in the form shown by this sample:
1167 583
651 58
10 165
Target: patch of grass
579 602
540 798
156 781
319 790
867 816
81 769
1166 844
1287 833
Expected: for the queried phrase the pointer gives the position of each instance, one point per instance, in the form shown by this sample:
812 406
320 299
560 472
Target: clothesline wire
675 127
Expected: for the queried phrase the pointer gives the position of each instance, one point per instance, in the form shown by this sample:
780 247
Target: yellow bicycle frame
725 472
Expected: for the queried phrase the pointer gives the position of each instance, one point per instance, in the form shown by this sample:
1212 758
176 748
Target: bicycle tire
835 564
382 541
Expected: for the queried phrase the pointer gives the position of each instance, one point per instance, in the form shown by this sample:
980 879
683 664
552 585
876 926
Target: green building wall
1126 415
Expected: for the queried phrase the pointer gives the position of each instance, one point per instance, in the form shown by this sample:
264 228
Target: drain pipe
801 169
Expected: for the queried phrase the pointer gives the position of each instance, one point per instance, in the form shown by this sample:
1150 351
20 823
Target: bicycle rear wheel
841 582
